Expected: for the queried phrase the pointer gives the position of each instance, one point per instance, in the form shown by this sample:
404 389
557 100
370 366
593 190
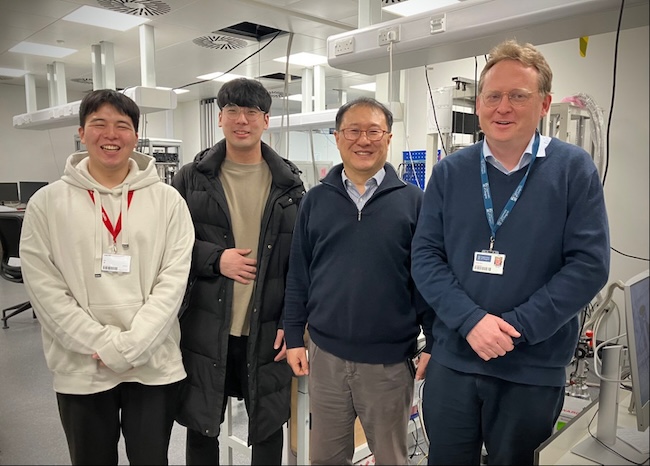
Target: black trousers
461 411
202 450
144 413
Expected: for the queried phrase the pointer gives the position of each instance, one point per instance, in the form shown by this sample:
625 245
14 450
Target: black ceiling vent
279 77
136 7
252 31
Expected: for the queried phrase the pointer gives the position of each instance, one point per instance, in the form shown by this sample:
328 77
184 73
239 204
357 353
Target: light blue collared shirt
371 186
525 158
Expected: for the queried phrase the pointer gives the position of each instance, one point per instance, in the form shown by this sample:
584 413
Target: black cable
611 105
435 116
415 437
629 255
603 444
475 132
231 69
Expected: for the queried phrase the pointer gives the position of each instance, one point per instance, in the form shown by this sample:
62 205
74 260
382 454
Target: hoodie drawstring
99 230
124 213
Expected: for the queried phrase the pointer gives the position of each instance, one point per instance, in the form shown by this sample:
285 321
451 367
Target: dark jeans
461 411
202 450
145 414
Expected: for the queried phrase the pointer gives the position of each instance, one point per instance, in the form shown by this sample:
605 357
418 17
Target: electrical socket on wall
388 35
344 46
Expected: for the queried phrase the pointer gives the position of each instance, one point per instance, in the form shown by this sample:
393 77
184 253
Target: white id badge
488 262
116 263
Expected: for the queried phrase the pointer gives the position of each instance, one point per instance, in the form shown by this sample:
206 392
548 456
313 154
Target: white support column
30 93
307 90
319 88
56 84
369 12
147 56
107 64
96 61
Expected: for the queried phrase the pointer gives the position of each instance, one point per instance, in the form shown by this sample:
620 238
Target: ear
81 134
546 105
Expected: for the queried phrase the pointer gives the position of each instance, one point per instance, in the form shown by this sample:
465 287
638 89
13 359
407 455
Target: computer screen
9 193
637 292
28 188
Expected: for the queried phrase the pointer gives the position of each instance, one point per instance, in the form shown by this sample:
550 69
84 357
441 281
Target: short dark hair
365 102
123 104
245 93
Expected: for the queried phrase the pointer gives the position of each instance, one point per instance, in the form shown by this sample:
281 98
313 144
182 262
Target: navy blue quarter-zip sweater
349 273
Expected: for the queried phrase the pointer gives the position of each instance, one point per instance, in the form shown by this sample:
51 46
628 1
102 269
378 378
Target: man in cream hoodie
105 255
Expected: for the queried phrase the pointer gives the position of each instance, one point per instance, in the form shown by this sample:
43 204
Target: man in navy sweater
349 280
512 242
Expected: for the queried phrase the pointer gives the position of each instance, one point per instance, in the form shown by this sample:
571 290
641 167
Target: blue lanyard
487 195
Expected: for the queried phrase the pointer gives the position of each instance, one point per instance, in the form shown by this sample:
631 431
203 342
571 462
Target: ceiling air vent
82 80
136 7
220 42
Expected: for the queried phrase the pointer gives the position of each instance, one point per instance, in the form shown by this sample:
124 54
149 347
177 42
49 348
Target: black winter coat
206 313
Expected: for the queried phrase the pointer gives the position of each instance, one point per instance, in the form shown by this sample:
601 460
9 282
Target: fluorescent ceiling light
32 48
12 72
413 7
304 59
176 91
220 76
297 97
105 18
372 87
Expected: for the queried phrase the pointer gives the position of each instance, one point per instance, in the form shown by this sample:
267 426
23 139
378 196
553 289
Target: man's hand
96 357
492 337
297 359
279 342
235 265
423 361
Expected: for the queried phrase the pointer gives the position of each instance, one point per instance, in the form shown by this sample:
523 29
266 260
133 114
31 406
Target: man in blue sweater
349 280
512 242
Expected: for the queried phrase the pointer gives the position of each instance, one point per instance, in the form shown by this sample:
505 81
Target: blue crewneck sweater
349 273
556 243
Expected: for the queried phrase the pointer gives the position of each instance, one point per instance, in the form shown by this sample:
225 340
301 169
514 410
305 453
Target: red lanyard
114 231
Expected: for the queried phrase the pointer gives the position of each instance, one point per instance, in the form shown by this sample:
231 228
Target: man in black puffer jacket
244 199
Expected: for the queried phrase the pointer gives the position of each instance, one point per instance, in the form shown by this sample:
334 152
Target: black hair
123 104
366 102
245 93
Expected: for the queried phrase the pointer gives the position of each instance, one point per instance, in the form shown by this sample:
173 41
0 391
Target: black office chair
10 226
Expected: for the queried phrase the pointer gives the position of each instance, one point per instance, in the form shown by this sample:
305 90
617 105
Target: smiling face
362 158
243 134
110 138
507 126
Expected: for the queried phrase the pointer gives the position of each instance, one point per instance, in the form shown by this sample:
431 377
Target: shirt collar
377 177
525 157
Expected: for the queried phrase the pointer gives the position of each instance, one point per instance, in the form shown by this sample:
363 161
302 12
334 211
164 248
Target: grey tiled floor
30 430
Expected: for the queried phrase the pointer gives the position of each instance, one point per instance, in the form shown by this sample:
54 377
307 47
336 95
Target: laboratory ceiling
189 42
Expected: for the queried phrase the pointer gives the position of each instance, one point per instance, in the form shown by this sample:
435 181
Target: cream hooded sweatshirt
129 319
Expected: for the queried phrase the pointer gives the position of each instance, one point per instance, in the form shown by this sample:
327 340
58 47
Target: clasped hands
492 337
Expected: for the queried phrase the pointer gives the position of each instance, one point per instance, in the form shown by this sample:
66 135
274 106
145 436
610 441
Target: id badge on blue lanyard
490 260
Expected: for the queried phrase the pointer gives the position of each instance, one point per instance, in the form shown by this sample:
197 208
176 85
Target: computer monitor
9 193
28 188
607 446
637 307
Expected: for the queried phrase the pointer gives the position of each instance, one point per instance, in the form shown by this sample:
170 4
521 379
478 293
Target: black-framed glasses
517 97
232 112
352 134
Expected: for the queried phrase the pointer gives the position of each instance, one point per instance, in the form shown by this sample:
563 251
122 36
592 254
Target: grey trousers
339 391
